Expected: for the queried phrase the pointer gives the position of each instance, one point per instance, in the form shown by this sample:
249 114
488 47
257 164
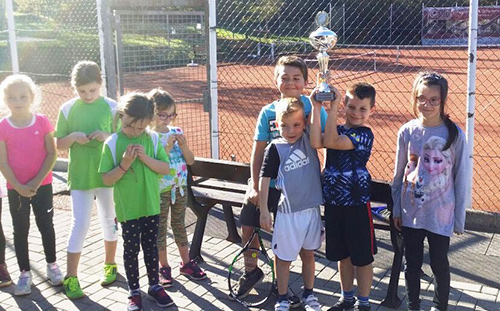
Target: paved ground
474 257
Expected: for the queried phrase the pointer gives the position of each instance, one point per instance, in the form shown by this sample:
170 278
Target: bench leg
232 232
391 299
199 231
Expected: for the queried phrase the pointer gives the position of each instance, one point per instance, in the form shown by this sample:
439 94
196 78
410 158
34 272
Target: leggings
2 237
177 222
43 209
414 253
140 232
82 202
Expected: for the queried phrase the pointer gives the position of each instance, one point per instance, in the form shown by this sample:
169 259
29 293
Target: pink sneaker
166 277
192 271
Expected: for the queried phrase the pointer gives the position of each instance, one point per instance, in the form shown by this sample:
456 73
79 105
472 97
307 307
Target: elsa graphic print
177 179
428 179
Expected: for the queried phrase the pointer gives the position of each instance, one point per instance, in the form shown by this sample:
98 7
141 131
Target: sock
363 301
307 292
283 297
348 296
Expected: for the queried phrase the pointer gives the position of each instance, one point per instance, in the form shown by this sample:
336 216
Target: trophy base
324 96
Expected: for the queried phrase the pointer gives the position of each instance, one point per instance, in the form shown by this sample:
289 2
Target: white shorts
296 231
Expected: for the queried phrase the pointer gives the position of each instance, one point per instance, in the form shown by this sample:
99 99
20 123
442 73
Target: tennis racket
251 289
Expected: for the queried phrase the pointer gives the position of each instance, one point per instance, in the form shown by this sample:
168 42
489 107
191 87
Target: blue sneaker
160 296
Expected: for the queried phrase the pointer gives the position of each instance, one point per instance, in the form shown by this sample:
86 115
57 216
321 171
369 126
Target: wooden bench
212 182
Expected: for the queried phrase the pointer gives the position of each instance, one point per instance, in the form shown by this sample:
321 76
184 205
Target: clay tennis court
245 88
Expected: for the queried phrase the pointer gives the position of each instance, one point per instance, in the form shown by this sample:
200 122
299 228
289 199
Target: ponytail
452 131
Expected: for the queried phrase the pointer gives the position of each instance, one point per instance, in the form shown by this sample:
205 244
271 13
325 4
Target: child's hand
141 153
98 135
33 185
253 196
397 223
170 142
128 157
80 138
181 140
265 220
26 191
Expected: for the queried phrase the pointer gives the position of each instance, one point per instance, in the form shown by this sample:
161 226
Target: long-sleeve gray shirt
430 189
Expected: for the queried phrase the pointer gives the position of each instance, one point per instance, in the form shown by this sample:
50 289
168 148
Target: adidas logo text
296 160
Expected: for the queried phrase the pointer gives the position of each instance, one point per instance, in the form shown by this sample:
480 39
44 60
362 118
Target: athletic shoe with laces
192 271
311 303
109 275
342 305
5 279
134 301
160 296
358 307
282 306
166 277
72 288
434 309
247 281
23 286
54 274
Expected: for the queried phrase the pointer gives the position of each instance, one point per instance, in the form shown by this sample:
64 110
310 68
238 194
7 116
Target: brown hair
293 61
137 105
85 72
431 78
287 106
362 90
162 99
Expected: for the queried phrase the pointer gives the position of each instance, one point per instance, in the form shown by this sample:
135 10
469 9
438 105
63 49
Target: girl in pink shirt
27 155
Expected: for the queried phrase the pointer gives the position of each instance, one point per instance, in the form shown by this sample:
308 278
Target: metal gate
167 49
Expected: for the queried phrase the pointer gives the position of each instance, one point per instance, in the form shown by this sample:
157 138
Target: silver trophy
323 39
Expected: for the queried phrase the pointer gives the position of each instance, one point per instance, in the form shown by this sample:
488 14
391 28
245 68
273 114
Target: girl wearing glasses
173 189
430 200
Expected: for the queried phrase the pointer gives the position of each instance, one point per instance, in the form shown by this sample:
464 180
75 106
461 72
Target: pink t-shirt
26 148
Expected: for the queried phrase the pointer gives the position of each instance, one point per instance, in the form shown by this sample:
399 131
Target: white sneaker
23 286
282 306
311 303
54 274
434 309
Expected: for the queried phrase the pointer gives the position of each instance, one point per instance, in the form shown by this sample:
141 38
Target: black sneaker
292 298
248 281
361 308
342 305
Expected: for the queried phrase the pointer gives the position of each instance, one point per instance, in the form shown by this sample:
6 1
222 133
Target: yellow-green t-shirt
137 193
78 116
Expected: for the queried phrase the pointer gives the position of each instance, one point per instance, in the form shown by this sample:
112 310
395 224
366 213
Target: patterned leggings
137 232
177 223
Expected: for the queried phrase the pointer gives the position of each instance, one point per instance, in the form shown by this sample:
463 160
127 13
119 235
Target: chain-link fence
167 49
382 42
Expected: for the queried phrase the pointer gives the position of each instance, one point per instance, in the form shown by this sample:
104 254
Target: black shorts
350 233
250 214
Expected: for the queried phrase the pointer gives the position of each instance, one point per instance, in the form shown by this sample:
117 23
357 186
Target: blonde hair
15 79
287 106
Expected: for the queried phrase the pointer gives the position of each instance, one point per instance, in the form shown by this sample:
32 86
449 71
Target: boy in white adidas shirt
294 163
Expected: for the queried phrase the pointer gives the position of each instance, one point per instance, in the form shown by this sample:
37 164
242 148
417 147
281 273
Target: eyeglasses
433 101
164 117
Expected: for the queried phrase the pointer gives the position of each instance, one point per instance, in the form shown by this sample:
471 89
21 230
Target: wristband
120 166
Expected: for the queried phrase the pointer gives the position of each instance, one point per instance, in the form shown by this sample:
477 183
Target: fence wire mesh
382 42
167 49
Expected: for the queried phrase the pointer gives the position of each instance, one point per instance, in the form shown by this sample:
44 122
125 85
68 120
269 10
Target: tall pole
214 114
471 91
12 36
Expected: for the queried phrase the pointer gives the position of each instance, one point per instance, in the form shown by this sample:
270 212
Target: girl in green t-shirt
131 162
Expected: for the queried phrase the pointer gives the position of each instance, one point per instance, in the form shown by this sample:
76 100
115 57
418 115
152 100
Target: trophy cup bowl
323 39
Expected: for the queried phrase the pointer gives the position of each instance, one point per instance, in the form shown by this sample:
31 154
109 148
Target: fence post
12 36
471 90
214 113
108 60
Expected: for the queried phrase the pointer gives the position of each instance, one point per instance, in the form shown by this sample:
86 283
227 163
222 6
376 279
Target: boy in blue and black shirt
350 238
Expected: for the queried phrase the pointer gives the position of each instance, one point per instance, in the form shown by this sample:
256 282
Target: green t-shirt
78 116
137 193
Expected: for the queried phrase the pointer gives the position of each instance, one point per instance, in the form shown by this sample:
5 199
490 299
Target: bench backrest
221 169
